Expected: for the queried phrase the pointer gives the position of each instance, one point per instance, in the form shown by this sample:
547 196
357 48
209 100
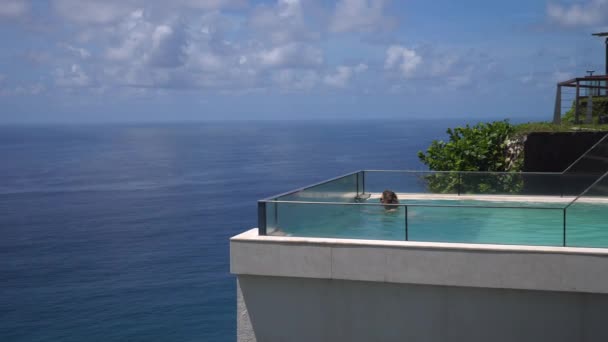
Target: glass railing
457 207
550 209
463 183
587 216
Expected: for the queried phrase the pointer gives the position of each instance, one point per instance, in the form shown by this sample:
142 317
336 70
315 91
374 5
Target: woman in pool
389 198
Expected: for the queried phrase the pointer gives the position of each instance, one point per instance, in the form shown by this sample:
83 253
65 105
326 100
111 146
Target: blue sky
136 60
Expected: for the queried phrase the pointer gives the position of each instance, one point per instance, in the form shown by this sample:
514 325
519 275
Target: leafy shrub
477 148
482 147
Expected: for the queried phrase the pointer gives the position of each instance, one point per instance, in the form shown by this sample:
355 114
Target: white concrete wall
309 289
298 309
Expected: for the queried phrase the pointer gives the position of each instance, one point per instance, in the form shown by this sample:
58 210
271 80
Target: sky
182 60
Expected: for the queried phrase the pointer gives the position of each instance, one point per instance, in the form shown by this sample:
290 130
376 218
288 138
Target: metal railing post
564 238
261 218
406 225
363 181
459 182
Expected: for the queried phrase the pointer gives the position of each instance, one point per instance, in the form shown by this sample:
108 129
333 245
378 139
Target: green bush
477 148
472 148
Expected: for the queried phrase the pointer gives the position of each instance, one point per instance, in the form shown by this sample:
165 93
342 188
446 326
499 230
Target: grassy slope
531 127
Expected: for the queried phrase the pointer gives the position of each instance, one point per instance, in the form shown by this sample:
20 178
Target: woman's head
389 197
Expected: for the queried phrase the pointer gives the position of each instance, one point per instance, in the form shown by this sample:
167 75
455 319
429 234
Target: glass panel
355 221
592 165
464 224
587 217
411 182
511 183
343 189
482 183
271 218
523 226
573 184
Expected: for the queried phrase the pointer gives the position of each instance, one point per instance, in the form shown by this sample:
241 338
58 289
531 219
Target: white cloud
81 52
108 11
283 23
403 59
560 76
73 78
33 89
360 16
206 61
291 55
168 47
132 33
526 79
208 4
37 88
463 78
343 75
13 8
591 13
295 80
93 11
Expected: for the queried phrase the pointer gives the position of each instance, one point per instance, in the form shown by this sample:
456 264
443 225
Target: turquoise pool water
521 223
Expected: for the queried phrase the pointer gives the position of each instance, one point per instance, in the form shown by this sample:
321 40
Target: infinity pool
459 221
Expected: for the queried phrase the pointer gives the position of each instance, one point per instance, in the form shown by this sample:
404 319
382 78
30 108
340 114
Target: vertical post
261 218
363 183
578 90
564 238
589 115
606 56
459 182
406 225
557 111
276 214
357 185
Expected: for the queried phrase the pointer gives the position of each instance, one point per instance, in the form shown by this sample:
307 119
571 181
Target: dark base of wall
554 152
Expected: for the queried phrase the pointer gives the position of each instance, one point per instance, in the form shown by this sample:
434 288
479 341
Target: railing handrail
308 186
468 172
410 205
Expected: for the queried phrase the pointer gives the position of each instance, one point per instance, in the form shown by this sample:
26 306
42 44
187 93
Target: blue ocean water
120 232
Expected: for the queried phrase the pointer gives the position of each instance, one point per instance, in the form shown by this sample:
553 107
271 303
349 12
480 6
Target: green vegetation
483 147
531 127
495 147
599 107
470 148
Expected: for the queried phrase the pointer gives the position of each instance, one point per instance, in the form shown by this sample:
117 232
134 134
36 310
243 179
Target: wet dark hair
389 197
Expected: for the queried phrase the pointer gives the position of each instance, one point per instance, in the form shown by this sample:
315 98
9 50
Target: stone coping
253 236
570 269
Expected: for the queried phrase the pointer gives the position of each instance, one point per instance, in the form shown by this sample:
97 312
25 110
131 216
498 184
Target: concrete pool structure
323 288
309 289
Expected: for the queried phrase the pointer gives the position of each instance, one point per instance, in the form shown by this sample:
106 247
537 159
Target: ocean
119 232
